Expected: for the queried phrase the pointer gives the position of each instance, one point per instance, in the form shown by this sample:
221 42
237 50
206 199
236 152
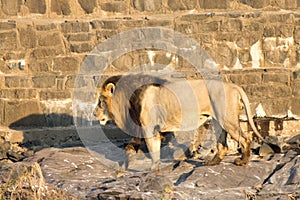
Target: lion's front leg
130 151
153 144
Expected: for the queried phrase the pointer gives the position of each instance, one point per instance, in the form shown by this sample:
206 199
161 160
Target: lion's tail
248 112
246 102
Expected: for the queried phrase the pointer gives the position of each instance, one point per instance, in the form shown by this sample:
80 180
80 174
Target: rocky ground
83 173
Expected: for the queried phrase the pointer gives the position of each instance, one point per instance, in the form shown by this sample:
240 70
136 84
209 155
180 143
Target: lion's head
119 100
103 109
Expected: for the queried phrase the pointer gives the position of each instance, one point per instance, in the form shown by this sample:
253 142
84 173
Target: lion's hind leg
244 141
222 149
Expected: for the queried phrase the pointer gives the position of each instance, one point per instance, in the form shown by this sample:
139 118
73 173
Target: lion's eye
101 104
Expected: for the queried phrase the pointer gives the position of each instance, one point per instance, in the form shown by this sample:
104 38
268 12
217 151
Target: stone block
246 79
81 47
275 107
116 6
79 81
106 24
17 82
217 4
75 27
208 26
142 5
17 94
256 3
224 54
22 113
296 88
1 112
297 35
44 81
295 106
232 25
88 5
27 37
151 23
285 30
182 5
275 58
36 6
66 64
14 56
8 40
61 7
39 66
272 91
46 27
47 52
105 34
2 82
7 25
50 94
80 37
52 39
11 7
277 77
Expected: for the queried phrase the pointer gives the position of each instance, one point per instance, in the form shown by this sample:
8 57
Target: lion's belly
184 125
179 106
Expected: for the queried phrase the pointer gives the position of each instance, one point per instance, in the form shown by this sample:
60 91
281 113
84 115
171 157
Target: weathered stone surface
61 7
17 94
8 40
147 5
256 3
79 37
49 94
182 5
17 110
36 6
7 25
44 52
39 66
219 4
116 6
75 27
52 39
88 5
17 82
11 7
27 182
286 178
66 64
81 173
46 27
295 106
44 81
81 47
296 88
27 37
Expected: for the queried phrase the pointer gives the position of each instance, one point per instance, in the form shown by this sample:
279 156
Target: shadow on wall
59 131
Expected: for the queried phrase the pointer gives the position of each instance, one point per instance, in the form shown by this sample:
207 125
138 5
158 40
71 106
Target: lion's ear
110 88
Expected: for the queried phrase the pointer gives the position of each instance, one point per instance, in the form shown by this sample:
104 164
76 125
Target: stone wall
43 44
87 8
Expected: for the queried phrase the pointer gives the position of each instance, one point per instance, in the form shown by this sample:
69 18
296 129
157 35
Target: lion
145 106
